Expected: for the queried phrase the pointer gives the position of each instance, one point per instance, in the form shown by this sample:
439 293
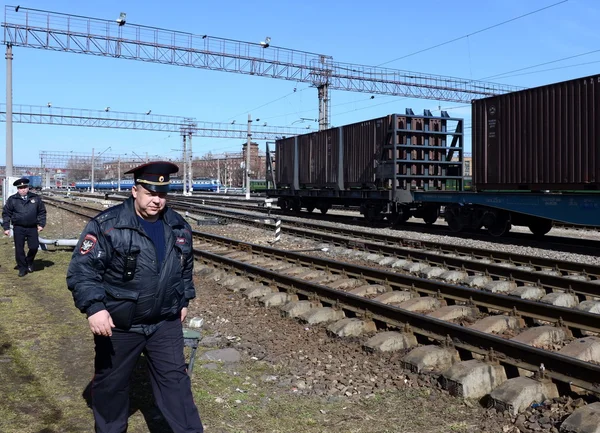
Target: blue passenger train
200 184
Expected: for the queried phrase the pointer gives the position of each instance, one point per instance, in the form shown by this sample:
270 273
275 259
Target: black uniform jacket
114 267
26 213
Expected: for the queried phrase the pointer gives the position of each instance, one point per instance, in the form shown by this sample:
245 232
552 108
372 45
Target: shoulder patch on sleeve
88 244
181 241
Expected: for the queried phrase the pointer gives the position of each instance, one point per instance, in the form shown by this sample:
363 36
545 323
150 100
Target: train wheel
297 207
400 218
500 226
540 226
309 209
373 214
324 209
431 215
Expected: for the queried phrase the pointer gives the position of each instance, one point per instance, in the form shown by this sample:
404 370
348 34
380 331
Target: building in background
229 167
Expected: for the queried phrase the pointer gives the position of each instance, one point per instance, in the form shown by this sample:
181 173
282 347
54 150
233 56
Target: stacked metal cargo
390 152
544 138
424 158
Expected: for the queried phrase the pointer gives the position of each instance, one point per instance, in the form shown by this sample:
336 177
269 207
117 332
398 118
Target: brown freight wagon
387 153
544 138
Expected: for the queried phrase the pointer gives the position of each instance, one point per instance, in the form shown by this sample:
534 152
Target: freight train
200 184
536 160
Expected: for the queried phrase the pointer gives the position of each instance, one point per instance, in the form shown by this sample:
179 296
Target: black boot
22 272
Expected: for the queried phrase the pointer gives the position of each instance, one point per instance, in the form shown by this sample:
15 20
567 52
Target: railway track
256 205
548 274
433 310
550 241
527 277
289 271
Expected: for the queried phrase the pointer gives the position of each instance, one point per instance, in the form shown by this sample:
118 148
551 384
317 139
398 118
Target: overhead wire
476 32
552 69
295 91
542 64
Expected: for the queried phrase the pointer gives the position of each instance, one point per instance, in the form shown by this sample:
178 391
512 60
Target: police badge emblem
32 200
89 241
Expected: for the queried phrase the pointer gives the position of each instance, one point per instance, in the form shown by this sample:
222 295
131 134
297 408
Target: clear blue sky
351 31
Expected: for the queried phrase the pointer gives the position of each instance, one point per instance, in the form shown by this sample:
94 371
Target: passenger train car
536 160
200 184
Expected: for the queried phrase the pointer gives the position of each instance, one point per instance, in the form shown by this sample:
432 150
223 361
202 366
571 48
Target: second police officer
27 213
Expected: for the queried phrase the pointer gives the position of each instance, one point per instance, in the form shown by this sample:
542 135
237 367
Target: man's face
148 204
23 190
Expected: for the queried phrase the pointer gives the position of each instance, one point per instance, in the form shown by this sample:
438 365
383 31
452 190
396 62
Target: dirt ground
291 378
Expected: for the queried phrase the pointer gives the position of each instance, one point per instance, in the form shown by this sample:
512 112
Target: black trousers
22 234
116 357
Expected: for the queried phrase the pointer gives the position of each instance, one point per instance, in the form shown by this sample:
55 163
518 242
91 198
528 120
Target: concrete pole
190 167
9 112
218 175
184 192
93 164
323 90
119 174
43 172
247 168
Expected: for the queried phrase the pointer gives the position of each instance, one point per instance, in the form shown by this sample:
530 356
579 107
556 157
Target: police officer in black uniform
131 274
27 213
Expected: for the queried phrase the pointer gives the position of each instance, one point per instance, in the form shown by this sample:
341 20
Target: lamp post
94 166
9 112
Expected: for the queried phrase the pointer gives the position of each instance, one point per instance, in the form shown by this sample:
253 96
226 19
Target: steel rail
576 319
562 368
581 288
559 367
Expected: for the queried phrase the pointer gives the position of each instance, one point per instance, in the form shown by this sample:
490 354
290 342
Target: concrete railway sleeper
472 361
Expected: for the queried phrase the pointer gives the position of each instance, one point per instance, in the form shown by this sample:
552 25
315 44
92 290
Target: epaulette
108 214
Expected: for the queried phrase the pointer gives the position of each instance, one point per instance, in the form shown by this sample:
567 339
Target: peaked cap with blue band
154 176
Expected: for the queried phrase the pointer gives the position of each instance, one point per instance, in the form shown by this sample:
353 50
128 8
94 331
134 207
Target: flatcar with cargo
536 159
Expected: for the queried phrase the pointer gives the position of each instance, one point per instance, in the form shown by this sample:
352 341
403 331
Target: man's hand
40 228
183 313
7 232
101 323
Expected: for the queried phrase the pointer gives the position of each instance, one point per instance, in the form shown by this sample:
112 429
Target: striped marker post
277 231
268 203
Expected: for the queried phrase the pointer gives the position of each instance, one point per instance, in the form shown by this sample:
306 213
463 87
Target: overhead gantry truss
149 122
33 28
